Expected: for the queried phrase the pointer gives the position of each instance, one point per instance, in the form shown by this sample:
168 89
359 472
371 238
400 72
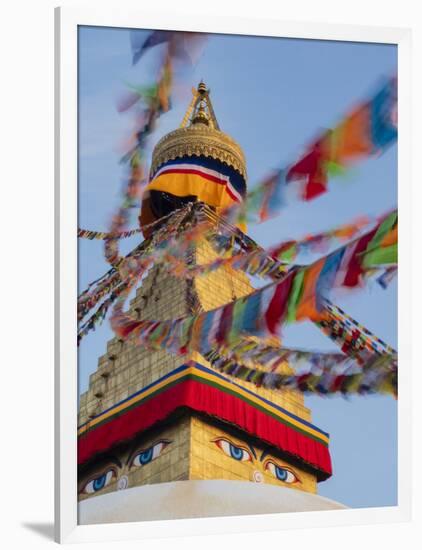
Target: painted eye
146 456
238 453
99 482
282 474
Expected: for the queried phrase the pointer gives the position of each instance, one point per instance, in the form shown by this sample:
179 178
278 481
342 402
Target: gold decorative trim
198 139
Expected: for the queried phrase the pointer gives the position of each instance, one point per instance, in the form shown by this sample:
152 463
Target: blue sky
272 95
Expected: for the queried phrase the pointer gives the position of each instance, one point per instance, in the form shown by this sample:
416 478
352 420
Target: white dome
195 499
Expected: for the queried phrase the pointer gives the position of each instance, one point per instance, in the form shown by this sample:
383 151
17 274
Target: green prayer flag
382 231
289 254
295 295
381 256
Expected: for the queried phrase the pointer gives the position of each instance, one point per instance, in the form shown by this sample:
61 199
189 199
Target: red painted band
207 399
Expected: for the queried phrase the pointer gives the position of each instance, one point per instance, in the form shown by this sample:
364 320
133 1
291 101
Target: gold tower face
192 448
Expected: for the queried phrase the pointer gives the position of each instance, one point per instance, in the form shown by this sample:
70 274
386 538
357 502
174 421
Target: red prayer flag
312 167
278 305
225 323
354 268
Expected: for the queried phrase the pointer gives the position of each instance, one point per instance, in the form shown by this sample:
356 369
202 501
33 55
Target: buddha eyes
99 482
282 474
234 451
140 458
242 454
147 455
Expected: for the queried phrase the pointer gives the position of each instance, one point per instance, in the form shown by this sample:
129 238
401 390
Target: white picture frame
67 21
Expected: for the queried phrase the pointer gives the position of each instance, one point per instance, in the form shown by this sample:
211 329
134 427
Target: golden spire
201 116
199 135
200 105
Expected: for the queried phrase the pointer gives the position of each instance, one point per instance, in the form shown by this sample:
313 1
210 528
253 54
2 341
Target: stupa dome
199 499
199 135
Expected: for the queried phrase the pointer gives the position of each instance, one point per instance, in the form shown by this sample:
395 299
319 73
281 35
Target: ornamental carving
198 140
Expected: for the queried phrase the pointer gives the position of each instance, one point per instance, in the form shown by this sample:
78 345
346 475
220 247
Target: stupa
152 423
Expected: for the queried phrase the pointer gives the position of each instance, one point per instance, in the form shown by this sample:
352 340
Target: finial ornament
202 89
